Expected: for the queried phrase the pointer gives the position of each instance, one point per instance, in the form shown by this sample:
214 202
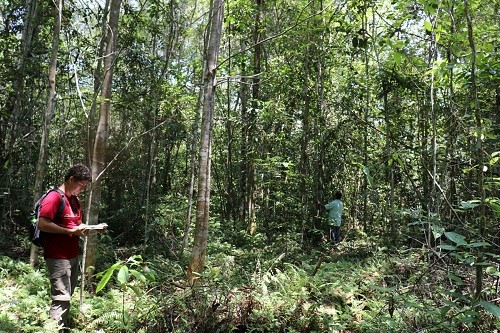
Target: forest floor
355 286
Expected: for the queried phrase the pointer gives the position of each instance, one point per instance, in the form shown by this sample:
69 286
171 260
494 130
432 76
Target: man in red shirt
61 239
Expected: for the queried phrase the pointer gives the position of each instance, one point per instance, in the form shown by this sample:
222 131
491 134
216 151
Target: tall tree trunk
245 140
98 80
388 154
192 152
14 99
318 186
49 111
304 160
479 148
230 191
366 111
18 105
434 206
102 134
451 127
252 223
199 250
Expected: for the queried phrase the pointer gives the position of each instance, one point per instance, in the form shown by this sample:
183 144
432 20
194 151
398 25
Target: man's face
77 186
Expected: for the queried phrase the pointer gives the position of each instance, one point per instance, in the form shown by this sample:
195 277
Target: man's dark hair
78 172
338 195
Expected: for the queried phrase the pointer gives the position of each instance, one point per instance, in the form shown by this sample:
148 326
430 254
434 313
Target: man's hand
48 226
80 230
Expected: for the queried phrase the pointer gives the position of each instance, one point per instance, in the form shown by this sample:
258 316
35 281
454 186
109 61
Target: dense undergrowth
358 286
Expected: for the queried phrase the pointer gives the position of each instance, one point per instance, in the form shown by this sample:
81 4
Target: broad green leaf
491 308
457 256
456 279
135 259
470 316
369 178
107 275
447 247
444 310
137 291
428 25
397 56
123 275
450 304
437 231
494 204
492 271
469 204
478 244
138 275
455 238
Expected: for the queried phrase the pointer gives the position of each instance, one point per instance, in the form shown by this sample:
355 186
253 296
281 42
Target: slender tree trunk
14 100
192 151
229 207
432 204
304 161
479 148
318 170
203 205
245 138
366 110
252 223
388 153
18 105
98 80
49 111
452 124
151 174
102 133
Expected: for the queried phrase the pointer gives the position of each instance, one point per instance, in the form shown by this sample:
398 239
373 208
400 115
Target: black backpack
36 235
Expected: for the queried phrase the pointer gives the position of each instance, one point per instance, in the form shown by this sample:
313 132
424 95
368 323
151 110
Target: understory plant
355 286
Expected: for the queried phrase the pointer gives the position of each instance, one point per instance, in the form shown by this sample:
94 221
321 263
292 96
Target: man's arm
48 226
330 205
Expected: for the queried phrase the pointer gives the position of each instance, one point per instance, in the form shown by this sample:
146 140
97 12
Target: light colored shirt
334 208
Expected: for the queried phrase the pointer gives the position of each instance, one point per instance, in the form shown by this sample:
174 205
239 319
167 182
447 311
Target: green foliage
127 272
385 114
24 298
358 287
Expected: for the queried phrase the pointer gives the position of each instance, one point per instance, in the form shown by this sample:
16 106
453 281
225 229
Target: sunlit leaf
469 204
107 275
369 178
492 271
428 25
123 275
437 231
